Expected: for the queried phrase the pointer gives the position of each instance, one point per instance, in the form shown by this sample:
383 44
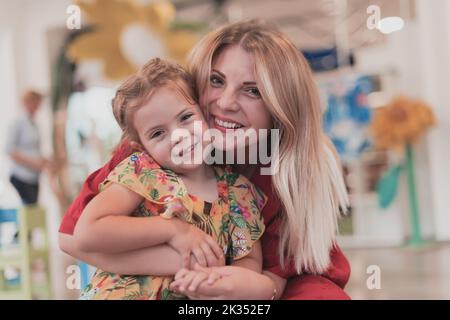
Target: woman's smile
224 124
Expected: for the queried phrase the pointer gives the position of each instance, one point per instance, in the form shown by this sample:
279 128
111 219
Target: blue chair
8 215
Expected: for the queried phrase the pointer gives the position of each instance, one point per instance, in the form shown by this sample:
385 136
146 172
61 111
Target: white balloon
139 44
90 72
390 24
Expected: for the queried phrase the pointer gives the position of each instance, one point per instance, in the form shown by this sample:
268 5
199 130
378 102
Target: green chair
23 256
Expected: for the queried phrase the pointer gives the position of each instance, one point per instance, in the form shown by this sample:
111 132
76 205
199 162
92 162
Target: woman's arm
253 260
278 282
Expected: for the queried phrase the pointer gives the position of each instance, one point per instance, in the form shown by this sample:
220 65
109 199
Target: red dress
326 286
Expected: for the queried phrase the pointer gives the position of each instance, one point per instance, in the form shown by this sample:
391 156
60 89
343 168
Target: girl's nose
178 136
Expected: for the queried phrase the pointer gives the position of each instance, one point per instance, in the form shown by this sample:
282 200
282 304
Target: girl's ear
136 146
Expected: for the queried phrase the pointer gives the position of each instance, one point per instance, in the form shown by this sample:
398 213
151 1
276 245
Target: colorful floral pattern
234 220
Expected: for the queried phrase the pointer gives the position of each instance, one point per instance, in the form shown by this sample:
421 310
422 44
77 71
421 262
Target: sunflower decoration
400 122
126 33
397 126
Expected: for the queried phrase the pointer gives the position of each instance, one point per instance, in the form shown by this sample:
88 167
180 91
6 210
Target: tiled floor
406 273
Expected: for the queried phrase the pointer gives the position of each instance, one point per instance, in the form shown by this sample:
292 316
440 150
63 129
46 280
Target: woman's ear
136 146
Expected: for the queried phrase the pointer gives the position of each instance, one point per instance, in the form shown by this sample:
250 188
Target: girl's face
164 114
233 99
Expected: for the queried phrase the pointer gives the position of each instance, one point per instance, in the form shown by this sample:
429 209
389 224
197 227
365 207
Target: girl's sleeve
141 174
246 225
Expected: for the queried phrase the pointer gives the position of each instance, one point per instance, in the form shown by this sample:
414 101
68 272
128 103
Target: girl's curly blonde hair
137 89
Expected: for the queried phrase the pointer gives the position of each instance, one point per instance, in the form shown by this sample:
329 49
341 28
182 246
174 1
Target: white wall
24 63
420 57
434 36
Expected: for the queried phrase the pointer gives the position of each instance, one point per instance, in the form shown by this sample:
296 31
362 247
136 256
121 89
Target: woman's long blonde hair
309 181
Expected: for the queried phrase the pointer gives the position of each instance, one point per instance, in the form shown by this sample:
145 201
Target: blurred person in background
23 147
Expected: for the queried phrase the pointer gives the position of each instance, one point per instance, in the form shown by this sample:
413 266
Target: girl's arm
161 260
105 225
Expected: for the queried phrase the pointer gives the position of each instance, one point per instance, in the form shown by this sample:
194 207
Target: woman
250 76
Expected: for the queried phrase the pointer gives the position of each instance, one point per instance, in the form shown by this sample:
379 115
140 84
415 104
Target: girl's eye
186 116
156 134
215 80
254 92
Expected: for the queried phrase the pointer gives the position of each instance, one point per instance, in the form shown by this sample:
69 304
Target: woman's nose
227 101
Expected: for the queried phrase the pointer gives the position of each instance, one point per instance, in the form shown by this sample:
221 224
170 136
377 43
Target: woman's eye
215 80
186 116
254 92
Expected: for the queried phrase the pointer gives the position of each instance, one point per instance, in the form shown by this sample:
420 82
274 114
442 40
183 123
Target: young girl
150 106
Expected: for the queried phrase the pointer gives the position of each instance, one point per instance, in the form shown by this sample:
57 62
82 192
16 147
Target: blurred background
382 66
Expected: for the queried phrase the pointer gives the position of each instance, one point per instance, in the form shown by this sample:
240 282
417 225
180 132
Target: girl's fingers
211 258
215 248
181 273
198 267
192 262
174 287
186 259
186 281
200 256
221 271
198 278
193 296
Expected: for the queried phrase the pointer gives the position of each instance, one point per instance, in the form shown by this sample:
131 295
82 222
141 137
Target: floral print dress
234 220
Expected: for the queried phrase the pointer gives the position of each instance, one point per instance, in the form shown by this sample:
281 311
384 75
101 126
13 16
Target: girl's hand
187 281
188 240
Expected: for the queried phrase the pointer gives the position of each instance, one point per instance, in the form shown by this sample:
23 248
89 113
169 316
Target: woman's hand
189 240
190 280
231 283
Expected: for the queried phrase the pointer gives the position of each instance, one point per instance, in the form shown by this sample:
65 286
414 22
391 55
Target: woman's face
233 99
